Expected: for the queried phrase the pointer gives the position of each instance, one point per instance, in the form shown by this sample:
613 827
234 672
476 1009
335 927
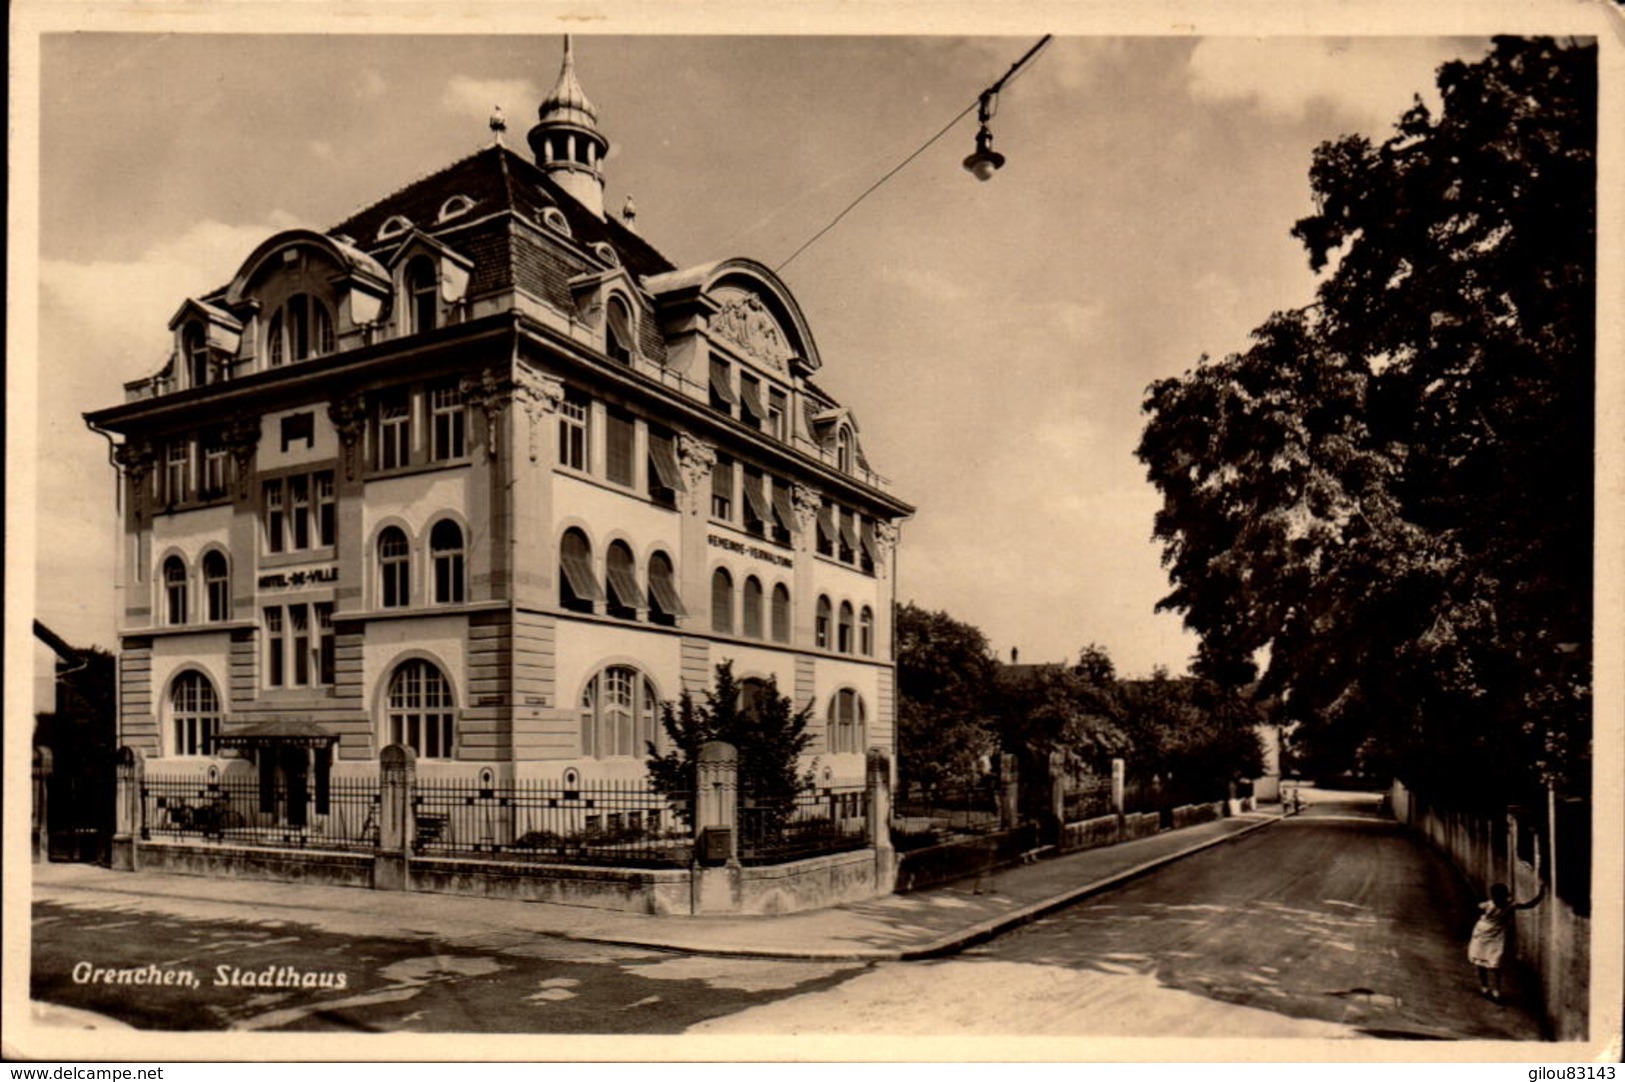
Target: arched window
216 586
194 714
422 295
843 450
665 603
866 632
753 691
621 576
578 586
722 601
821 623
781 613
421 712
174 590
846 723
618 340
752 600
395 569
843 634
195 342
446 550
301 329
619 711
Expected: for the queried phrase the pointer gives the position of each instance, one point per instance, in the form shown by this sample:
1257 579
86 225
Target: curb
951 943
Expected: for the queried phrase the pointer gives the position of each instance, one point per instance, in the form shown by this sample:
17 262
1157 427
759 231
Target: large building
480 472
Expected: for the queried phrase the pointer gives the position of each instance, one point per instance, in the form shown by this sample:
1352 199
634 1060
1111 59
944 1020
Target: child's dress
1489 936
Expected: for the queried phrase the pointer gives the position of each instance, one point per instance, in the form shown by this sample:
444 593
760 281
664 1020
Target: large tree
945 673
1388 496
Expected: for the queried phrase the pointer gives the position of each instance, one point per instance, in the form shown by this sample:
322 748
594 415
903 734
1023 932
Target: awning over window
624 585
721 386
665 593
578 572
826 524
782 510
754 497
288 732
866 533
849 536
663 454
751 392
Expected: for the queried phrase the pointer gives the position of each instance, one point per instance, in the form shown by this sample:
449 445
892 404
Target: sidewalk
895 927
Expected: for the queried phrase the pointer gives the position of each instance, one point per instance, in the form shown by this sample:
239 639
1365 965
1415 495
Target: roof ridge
371 203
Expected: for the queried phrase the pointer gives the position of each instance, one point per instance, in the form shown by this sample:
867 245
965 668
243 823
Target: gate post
878 770
1055 828
130 772
715 880
1009 791
397 778
40 835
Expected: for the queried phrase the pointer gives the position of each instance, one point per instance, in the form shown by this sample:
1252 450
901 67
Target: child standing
1489 939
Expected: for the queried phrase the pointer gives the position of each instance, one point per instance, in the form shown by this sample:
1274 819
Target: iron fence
1087 797
945 809
327 813
824 819
614 823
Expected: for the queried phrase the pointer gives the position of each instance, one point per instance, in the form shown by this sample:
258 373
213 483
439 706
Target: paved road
1330 924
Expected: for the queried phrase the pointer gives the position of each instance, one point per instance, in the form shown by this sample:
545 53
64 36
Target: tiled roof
496 179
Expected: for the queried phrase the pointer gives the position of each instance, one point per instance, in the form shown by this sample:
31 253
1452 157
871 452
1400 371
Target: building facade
480 472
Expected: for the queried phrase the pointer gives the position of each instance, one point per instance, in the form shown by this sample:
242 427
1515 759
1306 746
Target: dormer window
606 253
554 219
618 338
195 345
301 329
453 207
422 289
393 226
843 449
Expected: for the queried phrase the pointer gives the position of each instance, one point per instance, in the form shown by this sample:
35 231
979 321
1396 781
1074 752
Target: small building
481 472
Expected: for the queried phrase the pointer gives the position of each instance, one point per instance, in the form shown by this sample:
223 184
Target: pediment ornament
745 322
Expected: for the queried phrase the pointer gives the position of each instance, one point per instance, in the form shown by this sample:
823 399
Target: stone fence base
813 883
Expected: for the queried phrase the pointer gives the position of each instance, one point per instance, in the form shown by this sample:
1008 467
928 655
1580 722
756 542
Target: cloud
475 97
1367 80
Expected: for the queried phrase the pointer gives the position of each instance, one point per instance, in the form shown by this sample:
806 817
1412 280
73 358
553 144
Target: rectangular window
665 478
750 396
723 397
757 513
274 533
275 647
849 536
784 514
826 528
620 433
778 412
299 427
394 432
448 418
722 489
299 618
326 509
326 651
299 506
216 464
573 432
178 472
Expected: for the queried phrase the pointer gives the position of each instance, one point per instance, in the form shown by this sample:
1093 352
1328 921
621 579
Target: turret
566 141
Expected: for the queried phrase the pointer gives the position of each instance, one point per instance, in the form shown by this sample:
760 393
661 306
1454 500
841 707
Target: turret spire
566 141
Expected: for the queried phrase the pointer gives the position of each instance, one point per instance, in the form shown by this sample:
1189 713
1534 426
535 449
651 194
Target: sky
994 340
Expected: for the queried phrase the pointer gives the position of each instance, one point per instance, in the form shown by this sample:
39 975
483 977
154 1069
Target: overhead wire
988 95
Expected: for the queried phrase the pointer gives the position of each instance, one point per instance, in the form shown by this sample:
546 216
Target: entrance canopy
284 732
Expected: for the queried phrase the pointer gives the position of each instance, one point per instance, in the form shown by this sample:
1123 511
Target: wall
1552 941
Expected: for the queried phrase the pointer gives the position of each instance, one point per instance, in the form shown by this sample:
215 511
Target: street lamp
986 161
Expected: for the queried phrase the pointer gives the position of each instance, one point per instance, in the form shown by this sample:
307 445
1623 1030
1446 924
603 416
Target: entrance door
296 783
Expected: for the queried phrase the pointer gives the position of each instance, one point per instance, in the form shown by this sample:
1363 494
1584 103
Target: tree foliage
945 673
1388 495
769 734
